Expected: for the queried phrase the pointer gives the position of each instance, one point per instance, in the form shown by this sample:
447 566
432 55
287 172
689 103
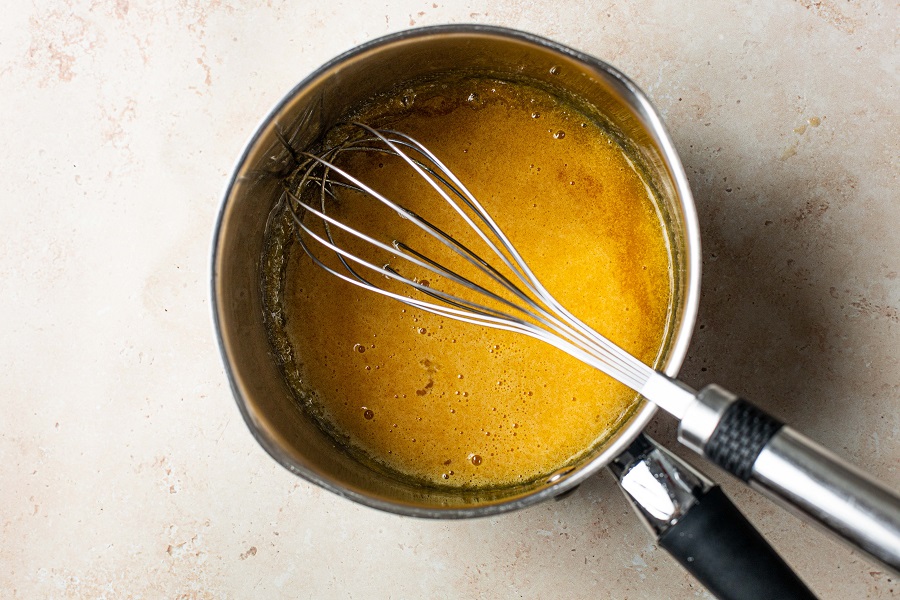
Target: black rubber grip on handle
719 546
739 438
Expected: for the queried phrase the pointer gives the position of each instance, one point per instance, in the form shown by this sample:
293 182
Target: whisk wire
523 272
540 314
546 319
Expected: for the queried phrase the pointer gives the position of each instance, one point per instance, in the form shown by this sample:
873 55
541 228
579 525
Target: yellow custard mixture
451 404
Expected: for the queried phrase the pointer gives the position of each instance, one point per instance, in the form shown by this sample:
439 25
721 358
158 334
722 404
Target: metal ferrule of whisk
729 431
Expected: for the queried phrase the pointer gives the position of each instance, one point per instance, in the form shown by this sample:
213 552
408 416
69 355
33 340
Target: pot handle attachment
794 471
699 526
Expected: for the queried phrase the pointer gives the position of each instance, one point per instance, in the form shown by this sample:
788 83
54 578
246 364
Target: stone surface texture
127 471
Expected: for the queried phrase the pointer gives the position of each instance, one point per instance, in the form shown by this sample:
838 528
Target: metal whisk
729 431
520 302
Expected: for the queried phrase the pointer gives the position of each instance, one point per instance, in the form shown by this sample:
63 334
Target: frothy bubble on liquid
359 348
559 135
476 460
368 413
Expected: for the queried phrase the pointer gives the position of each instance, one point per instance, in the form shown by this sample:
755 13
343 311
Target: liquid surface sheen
452 404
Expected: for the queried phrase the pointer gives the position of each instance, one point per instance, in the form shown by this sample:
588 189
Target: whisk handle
795 472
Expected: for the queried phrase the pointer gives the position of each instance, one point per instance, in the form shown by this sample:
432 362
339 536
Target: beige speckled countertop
127 471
